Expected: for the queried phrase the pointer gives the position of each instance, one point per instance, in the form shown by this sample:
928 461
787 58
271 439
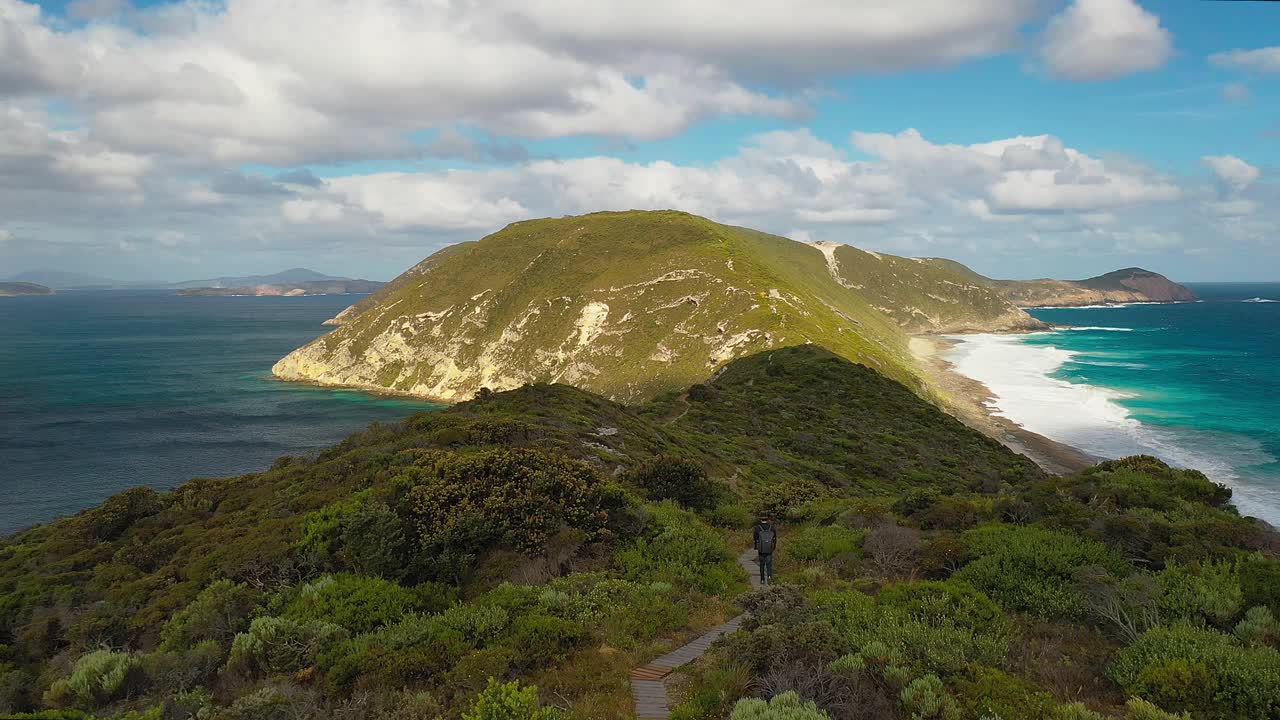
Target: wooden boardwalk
647 686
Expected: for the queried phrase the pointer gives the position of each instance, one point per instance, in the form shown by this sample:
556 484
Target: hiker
766 541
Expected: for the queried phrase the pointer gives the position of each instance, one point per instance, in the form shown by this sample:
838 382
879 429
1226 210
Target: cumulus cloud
288 82
1103 39
1263 60
1234 174
1235 92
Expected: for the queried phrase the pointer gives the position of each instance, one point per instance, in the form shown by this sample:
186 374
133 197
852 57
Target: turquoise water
1197 384
102 391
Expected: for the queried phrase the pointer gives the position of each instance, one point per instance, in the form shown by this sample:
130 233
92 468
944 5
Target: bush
218 613
359 533
276 644
97 678
1259 627
678 549
787 706
1260 583
119 512
541 640
1031 569
676 479
939 627
509 701
1204 592
926 699
1190 668
518 499
358 603
823 543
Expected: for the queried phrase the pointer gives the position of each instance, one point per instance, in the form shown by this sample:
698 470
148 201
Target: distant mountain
285 277
13 289
1121 286
317 287
633 304
62 280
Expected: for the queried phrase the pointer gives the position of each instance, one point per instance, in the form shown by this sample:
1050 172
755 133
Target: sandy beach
967 399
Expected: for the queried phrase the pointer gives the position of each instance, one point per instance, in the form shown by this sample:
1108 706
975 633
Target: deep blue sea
102 391
1197 384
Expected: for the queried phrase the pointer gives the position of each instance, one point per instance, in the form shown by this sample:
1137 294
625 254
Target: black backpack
768 540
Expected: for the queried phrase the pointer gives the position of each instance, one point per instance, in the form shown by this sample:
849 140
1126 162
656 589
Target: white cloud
288 82
1235 92
1233 173
1263 60
1103 39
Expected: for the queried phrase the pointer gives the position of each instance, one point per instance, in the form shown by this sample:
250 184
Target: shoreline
968 401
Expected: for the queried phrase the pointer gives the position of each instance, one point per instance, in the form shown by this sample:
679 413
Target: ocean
103 391
1195 384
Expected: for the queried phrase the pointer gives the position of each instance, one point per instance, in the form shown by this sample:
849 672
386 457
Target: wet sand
969 401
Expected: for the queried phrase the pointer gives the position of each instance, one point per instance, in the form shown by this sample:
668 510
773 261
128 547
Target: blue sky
1024 137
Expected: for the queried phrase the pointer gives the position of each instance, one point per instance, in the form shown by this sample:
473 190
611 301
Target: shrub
1259 627
510 701
1198 669
940 627
359 533
479 623
273 702
406 652
540 640
276 644
893 549
926 699
218 613
1032 569
358 603
676 479
1204 592
823 542
119 512
96 678
1260 583
677 548
519 499
1139 709
734 516
787 706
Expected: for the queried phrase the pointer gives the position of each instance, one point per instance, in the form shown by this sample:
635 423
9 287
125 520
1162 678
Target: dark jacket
765 538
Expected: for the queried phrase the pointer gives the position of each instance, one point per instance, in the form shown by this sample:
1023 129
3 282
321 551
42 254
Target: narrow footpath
647 681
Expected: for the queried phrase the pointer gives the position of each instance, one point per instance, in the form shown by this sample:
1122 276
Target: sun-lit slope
1120 286
626 304
924 296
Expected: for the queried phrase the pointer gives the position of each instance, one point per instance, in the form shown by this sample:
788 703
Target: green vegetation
633 304
515 556
11 289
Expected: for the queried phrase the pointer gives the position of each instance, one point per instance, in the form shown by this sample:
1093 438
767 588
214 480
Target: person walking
766 541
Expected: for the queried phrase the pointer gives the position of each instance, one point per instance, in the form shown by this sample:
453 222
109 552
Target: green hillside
633 304
551 537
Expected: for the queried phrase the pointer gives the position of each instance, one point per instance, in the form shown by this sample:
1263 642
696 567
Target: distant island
15 289
319 287
291 279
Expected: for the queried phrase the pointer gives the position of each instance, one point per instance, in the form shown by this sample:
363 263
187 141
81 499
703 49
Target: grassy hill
1129 285
633 304
553 537
13 289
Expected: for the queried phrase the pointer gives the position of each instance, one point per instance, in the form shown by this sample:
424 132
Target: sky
1026 138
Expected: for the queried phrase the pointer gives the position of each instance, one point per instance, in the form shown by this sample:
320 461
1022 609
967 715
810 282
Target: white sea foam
1260 300
1020 376
1096 328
